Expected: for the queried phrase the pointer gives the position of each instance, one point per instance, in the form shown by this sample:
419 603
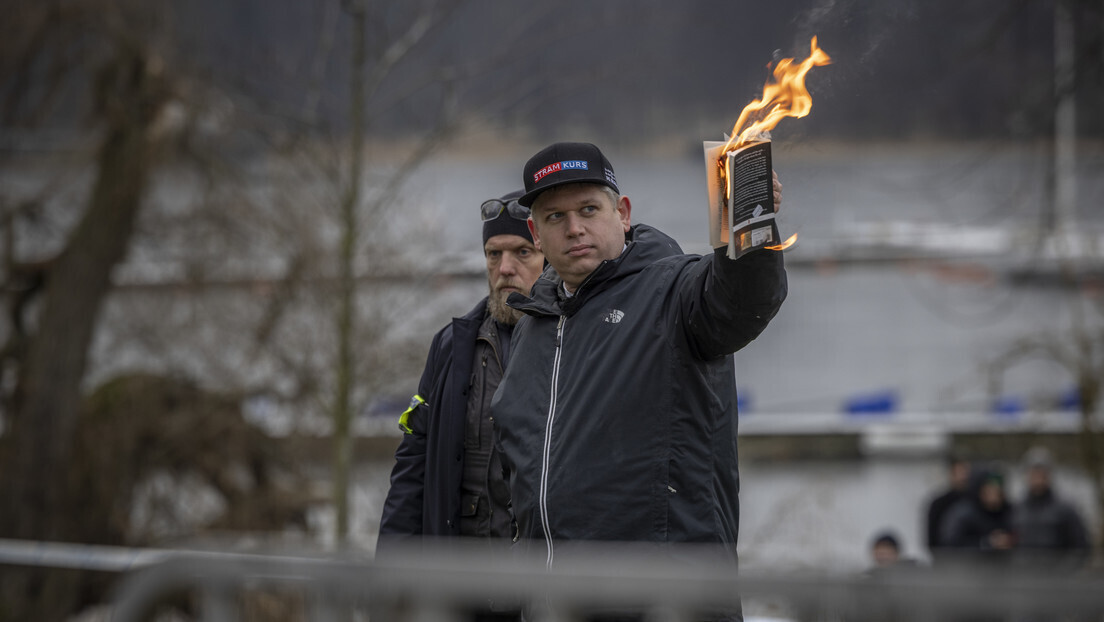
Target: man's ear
624 209
533 232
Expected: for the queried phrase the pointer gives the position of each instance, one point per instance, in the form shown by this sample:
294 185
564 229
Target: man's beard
496 304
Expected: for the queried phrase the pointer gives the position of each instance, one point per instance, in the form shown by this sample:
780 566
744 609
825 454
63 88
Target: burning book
741 197
739 170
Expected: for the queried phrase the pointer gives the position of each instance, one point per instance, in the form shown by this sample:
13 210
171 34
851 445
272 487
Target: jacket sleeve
955 530
727 303
403 508
1074 539
932 522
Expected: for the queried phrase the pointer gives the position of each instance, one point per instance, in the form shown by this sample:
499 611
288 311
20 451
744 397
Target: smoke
857 29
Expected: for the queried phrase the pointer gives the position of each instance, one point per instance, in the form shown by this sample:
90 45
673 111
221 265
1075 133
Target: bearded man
447 480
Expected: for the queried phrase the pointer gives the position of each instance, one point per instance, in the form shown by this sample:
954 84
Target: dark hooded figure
1050 533
958 488
978 528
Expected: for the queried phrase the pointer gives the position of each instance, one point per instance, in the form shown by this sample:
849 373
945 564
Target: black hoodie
969 525
617 415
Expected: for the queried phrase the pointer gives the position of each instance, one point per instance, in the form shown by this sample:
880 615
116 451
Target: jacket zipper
548 440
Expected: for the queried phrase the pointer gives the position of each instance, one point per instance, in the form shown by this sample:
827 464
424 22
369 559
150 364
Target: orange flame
790 241
786 96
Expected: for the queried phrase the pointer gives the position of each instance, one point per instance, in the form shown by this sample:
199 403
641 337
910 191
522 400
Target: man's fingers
777 191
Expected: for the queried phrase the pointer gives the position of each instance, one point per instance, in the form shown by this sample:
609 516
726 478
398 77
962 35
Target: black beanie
504 223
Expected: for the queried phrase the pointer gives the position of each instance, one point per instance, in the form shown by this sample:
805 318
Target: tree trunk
39 447
342 412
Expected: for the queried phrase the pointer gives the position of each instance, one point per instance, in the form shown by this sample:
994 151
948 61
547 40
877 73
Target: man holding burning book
616 419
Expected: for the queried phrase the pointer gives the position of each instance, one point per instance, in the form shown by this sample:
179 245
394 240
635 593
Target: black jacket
617 415
968 527
424 498
936 511
1050 533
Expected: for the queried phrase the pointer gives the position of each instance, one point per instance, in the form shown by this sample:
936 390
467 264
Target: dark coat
936 511
617 416
424 498
1050 533
968 526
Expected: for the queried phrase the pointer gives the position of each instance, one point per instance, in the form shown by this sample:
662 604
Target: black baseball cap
566 163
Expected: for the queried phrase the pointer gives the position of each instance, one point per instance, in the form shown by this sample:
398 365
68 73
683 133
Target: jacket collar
644 246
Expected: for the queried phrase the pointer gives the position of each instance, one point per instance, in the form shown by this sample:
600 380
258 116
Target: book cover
741 197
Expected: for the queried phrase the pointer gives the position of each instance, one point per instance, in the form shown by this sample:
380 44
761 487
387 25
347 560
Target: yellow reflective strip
404 418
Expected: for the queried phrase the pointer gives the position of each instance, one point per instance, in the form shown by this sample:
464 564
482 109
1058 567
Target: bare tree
128 92
246 222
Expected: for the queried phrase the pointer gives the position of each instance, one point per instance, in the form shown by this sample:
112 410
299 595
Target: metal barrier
448 581
670 584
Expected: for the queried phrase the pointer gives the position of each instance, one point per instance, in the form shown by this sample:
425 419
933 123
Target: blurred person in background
886 550
978 528
887 564
1049 532
958 476
885 554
